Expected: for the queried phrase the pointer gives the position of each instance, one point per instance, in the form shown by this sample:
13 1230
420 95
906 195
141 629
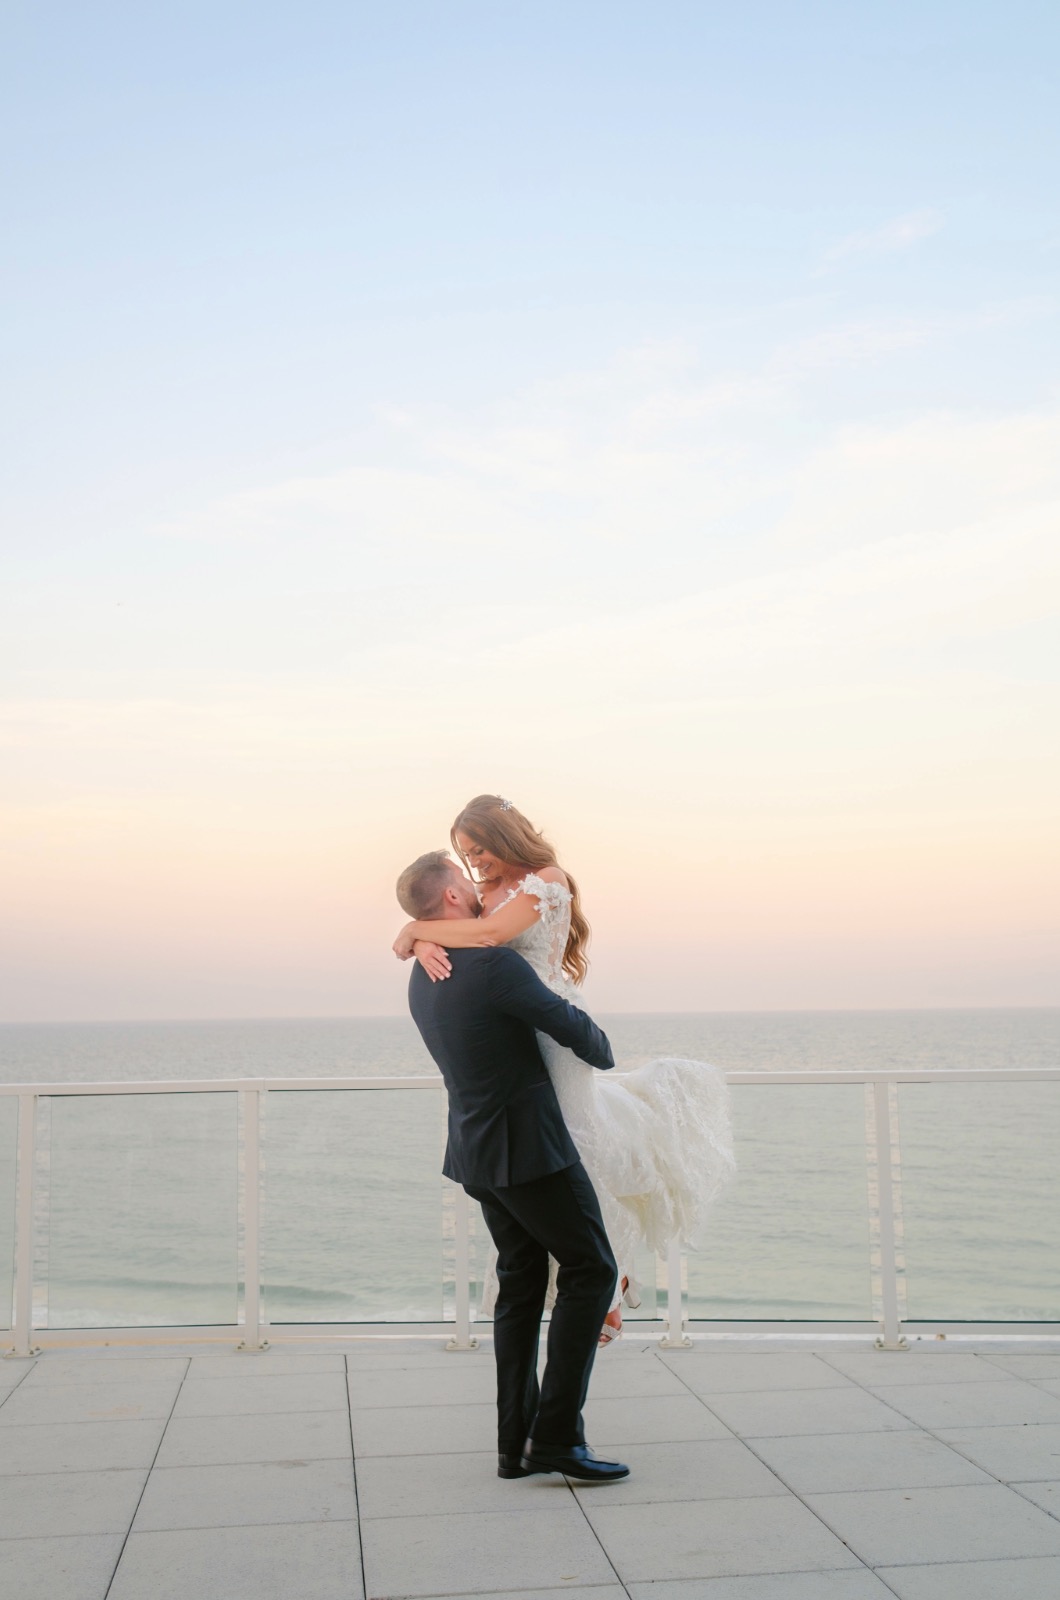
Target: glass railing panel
8 1178
789 1238
352 1205
141 1210
980 1200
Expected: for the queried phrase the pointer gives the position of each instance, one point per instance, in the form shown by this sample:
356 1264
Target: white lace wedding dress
655 1141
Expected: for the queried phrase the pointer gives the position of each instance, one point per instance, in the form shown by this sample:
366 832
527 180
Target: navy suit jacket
505 1124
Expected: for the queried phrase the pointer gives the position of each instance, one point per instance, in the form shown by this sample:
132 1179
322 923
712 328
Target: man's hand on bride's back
433 959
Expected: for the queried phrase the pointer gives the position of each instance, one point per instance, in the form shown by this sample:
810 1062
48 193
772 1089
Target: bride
656 1141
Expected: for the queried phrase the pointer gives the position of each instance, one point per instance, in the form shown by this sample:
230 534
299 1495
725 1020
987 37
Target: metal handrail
675 1332
434 1081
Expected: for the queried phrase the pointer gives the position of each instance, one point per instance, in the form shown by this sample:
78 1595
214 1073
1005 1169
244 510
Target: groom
510 1148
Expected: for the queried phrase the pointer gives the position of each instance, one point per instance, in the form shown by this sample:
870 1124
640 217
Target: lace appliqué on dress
546 938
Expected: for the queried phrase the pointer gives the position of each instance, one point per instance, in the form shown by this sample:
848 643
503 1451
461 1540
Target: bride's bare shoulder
552 875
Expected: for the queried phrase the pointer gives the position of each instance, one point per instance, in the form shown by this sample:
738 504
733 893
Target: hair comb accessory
506 805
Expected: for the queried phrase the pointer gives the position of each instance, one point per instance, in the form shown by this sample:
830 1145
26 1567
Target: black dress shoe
511 1466
574 1461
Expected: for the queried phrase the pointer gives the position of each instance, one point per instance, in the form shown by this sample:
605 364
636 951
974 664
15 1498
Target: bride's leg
613 1320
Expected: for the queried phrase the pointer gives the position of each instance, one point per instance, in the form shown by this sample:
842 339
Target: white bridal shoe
630 1297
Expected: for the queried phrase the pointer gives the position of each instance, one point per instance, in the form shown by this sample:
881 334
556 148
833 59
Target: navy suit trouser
558 1215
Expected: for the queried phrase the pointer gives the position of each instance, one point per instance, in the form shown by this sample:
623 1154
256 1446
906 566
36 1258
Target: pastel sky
649 413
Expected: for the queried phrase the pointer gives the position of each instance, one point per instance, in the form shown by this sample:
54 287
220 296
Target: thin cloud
898 234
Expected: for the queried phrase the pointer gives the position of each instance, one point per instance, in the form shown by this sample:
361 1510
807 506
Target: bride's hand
433 959
405 943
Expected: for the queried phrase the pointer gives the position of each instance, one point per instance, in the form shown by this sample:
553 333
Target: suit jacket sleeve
516 988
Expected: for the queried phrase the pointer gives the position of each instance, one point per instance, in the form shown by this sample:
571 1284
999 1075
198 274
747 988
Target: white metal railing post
462 1339
676 1335
252 1339
22 1331
890 1335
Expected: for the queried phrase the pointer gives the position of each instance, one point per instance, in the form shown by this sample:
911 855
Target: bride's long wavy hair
499 827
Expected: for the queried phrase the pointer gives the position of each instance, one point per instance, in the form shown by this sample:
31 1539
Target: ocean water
139 1200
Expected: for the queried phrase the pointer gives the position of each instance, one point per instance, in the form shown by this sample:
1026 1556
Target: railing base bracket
683 1343
457 1344
252 1349
901 1343
22 1355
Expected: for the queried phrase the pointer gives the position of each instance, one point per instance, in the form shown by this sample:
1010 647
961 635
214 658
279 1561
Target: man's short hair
421 887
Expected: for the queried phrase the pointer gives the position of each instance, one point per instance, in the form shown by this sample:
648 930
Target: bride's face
482 862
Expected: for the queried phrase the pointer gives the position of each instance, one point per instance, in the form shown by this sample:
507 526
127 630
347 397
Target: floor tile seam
784 1493
863 1565
995 1357
265 1461
219 1527
60 1388
730 1432
823 1355
416 1455
443 1405
897 1412
266 1377
96 1533
818 1355
296 1411
356 1489
147 1479
566 1498
979 1561
772 1394
1018 1489
978 1427
881 1579
369 1518
795 1494
1004 1379
45 1379
972 1383
15 1387
982 1427
597 1492
603 1548
838 1380
80 1422
923 1488
16 1538
807 1388
72 1472
1002 1483
723 1577
518 1593
100 1422
836 1433
901 1488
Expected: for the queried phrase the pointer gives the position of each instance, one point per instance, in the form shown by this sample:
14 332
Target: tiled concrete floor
334 1472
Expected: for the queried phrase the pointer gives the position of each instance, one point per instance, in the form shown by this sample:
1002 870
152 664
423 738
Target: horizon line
394 1016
